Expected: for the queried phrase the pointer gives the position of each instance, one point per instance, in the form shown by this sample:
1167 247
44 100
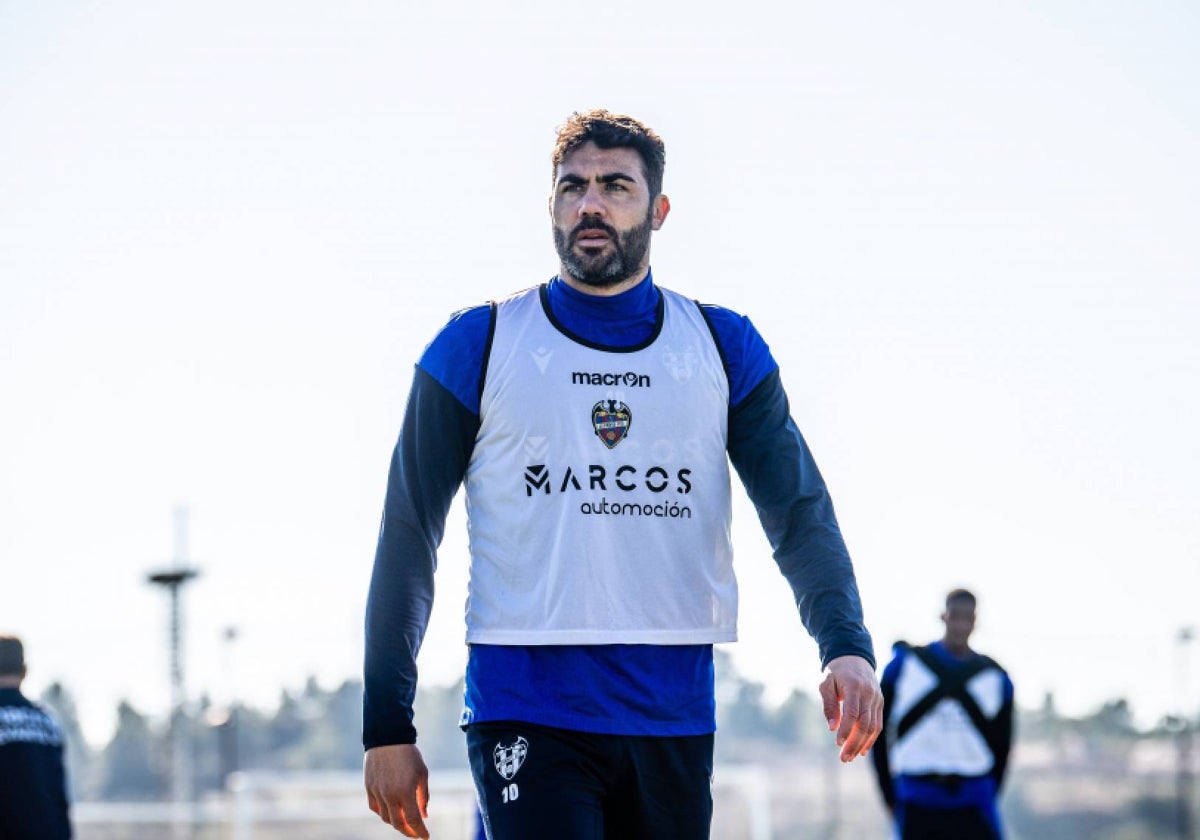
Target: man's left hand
853 704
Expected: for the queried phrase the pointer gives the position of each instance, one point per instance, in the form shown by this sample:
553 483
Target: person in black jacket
33 784
947 731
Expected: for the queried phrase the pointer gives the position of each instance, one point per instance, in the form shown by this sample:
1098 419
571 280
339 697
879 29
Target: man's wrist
390 739
838 654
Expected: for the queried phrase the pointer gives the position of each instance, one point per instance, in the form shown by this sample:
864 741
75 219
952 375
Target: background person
948 714
33 783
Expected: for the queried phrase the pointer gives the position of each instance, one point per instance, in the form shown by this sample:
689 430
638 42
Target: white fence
333 806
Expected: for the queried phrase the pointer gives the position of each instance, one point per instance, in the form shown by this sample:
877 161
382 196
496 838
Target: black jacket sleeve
428 465
783 482
1000 739
879 751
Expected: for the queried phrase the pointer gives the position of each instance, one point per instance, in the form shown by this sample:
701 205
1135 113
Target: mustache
592 224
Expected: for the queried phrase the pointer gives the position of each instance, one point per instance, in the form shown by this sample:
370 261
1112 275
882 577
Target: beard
604 267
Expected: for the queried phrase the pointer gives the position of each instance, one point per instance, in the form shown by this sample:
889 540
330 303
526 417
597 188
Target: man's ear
659 208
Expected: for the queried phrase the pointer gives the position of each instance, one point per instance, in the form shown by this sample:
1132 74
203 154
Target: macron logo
628 379
541 358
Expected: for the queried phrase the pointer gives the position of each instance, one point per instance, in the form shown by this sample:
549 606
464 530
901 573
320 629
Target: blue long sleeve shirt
618 689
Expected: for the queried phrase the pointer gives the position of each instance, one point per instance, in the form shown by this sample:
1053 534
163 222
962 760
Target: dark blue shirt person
33 786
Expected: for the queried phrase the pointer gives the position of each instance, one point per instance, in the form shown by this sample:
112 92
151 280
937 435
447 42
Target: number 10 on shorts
509 793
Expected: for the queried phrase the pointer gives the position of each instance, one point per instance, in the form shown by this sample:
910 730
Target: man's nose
591 204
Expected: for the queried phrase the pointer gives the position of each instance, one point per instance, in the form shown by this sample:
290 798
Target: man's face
960 621
603 214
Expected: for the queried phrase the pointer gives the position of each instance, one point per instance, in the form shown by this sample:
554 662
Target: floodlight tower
172 579
1185 787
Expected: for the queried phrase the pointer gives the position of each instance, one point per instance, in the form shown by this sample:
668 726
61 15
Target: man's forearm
398 607
797 516
879 752
427 468
1002 741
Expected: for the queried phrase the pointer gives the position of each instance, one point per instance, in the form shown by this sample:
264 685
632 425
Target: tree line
317 728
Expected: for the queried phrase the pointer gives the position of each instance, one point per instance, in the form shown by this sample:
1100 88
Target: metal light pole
1184 780
229 729
172 580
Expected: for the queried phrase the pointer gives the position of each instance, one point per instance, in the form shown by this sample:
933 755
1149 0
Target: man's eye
570 188
616 187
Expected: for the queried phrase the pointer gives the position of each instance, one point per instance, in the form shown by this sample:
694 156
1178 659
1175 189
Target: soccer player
593 419
33 784
947 731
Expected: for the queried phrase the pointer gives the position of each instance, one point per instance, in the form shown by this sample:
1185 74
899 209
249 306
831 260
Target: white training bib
598 495
944 741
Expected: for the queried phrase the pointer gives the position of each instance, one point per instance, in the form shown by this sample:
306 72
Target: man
33 788
593 419
947 731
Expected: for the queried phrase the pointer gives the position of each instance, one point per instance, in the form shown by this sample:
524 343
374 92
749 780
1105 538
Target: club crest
508 759
681 364
611 419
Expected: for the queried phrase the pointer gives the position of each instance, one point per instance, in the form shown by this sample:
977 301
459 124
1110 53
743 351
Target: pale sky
968 231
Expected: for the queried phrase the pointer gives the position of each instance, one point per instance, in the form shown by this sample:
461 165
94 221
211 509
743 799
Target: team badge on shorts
508 759
611 419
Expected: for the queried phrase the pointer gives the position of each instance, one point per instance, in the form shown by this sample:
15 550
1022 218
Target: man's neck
10 682
604 291
960 649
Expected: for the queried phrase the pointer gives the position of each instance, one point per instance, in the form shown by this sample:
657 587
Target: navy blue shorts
541 783
918 822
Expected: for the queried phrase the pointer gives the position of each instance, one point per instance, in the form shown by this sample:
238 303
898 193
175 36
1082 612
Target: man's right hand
398 787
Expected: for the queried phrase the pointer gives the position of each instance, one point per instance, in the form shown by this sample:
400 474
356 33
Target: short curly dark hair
610 131
960 595
12 657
